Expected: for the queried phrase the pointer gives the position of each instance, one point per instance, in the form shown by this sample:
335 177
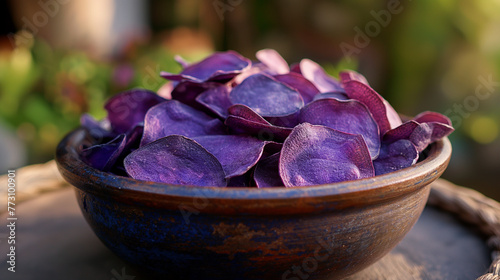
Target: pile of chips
227 121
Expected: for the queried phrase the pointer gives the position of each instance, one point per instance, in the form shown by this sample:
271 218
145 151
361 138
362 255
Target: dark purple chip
245 180
175 160
128 109
315 73
380 109
296 81
99 130
216 100
348 116
418 133
267 172
395 156
266 96
242 119
236 153
221 66
315 154
104 156
441 125
287 121
173 117
187 92
424 129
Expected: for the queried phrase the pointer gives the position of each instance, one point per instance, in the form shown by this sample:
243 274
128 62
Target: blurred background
61 58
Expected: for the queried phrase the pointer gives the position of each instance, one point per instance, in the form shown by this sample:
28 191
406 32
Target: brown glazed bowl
186 232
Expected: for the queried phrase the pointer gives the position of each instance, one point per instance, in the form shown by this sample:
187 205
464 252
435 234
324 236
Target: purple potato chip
166 89
395 156
104 156
315 73
392 116
216 100
349 116
182 62
187 92
286 121
267 96
441 125
428 116
99 130
173 117
242 119
129 108
236 153
424 129
350 75
132 141
403 131
256 68
245 180
273 60
315 154
272 148
332 94
296 81
418 133
220 66
267 172
379 108
295 68
175 160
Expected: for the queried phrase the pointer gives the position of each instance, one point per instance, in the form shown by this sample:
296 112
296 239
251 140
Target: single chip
395 156
348 116
219 66
128 109
176 160
236 153
315 155
267 172
175 118
266 96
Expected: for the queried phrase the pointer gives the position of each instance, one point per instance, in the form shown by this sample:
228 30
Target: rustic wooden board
54 242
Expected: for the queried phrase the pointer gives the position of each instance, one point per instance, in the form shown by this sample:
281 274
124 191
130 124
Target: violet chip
176 160
315 155
173 117
348 116
267 96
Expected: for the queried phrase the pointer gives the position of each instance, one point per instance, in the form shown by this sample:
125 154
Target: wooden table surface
54 242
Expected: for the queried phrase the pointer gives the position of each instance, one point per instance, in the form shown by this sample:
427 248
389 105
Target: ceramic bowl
187 232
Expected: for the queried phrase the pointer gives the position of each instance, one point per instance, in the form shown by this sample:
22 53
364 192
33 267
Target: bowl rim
381 187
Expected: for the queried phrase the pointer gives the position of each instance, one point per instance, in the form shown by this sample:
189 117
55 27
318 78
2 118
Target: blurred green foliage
45 91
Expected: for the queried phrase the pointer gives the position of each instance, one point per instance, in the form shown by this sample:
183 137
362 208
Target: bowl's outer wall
260 235
199 246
